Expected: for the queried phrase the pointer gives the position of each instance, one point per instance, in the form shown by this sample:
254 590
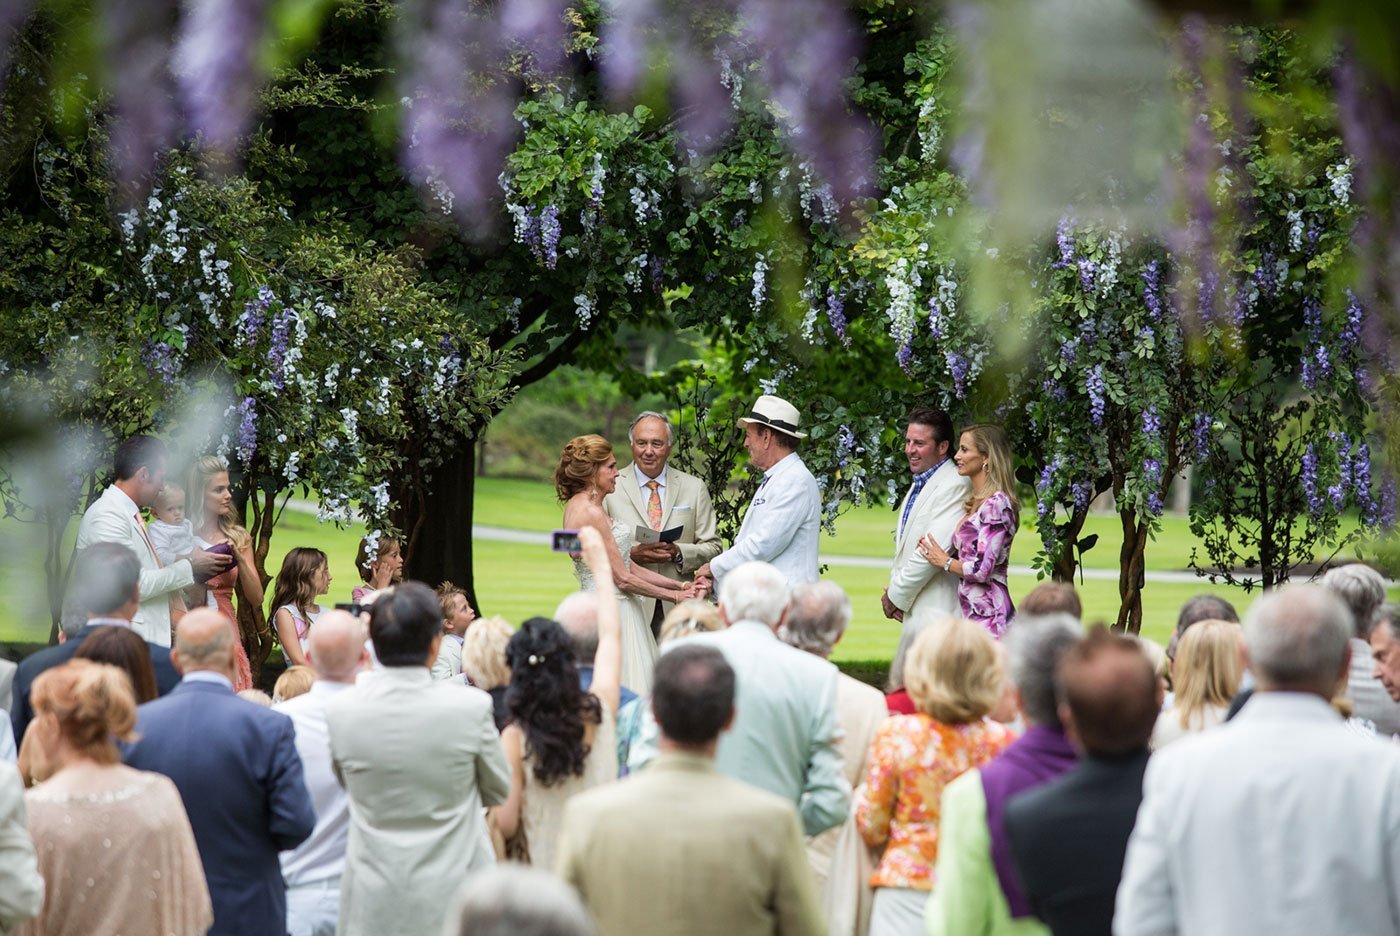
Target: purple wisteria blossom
960 369
836 315
136 49
215 65
846 445
1064 240
246 443
159 359
1081 493
1044 488
1152 291
1152 481
905 357
1088 269
1095 387
250 323
1384 507
1316 365
277 345
1316 505
1350 338
1151 422
1200 435
549 236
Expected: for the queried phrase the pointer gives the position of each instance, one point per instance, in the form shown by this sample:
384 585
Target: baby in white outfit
170 533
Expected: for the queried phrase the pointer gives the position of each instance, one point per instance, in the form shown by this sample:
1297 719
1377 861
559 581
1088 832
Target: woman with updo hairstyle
980 551
115 845
561 740
954 675
587 473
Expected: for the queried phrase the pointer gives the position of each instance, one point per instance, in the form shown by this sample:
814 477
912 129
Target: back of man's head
1034 646
336 646
818 616
1362 589
135 453
693 694
578 615
204 640
1298 639
1052 598
403 623
755 591
1196 609
106 577
1109 693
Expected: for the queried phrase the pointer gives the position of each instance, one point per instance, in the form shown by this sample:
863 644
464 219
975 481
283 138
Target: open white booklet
644 535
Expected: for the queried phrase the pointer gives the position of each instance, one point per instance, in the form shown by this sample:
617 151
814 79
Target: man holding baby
115 517
659 497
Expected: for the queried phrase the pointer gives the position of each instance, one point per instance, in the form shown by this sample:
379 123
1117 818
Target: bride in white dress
587 473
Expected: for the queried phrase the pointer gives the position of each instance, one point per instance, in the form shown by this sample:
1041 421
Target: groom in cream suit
933 504
652 494
115 517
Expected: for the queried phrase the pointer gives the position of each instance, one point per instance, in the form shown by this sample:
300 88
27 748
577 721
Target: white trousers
898 911
312 908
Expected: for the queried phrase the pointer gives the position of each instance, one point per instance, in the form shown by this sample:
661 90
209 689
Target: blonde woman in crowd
1206 674
954 676
484 662
216 525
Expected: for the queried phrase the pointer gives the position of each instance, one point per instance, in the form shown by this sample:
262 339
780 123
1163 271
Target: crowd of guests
421 770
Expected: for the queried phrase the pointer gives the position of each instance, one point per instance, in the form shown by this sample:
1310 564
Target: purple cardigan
1038 756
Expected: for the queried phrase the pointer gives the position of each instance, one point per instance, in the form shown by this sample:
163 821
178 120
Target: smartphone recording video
565 541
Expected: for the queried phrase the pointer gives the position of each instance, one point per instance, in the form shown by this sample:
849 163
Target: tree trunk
259 509
1067 562
1131 563
437 522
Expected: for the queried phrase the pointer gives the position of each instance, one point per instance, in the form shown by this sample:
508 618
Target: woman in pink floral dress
954 674
981 546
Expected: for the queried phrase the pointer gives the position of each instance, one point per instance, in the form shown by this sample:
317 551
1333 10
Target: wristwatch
678 558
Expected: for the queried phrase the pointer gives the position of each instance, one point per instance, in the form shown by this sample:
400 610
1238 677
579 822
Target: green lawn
519 581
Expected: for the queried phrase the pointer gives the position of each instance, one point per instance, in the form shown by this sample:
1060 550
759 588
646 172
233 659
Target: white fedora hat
777 414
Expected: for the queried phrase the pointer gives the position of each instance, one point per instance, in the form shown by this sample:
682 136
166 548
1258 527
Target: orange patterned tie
654 504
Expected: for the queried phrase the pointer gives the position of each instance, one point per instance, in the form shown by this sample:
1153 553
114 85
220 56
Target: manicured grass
518 581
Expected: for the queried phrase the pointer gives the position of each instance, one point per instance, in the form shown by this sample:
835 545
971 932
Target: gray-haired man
660 497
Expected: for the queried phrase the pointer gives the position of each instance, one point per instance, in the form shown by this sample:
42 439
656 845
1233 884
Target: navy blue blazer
238 772
22 713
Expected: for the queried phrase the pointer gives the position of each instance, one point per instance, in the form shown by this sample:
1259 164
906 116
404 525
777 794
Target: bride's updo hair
94 705
579 464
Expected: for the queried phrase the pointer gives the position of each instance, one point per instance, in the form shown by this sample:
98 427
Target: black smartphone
354 607
565 541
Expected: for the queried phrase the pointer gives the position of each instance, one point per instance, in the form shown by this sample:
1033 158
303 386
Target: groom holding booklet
671 511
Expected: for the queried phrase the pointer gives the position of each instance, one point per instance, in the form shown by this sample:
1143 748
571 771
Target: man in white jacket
782 523
115 517
933 504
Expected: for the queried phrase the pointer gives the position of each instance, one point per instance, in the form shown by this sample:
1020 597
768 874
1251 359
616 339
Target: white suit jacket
1282 822
112 518
685 503
781 525
916 587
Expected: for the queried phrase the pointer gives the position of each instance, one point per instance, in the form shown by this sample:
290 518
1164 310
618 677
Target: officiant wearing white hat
784 518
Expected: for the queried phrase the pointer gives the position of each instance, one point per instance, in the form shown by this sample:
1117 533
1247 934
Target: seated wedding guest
561 740
484 663
514 900
1068 837
1362 589
1284 821
106 583
312 871
125 650
304 577
785 739
379 571
418 758
692 616
954 675
680 848
981 545
244 791
975 887
1196 609
1206 674
578 615
21 884
685 619
457 616
1052 598
294 681
115 846
818 618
